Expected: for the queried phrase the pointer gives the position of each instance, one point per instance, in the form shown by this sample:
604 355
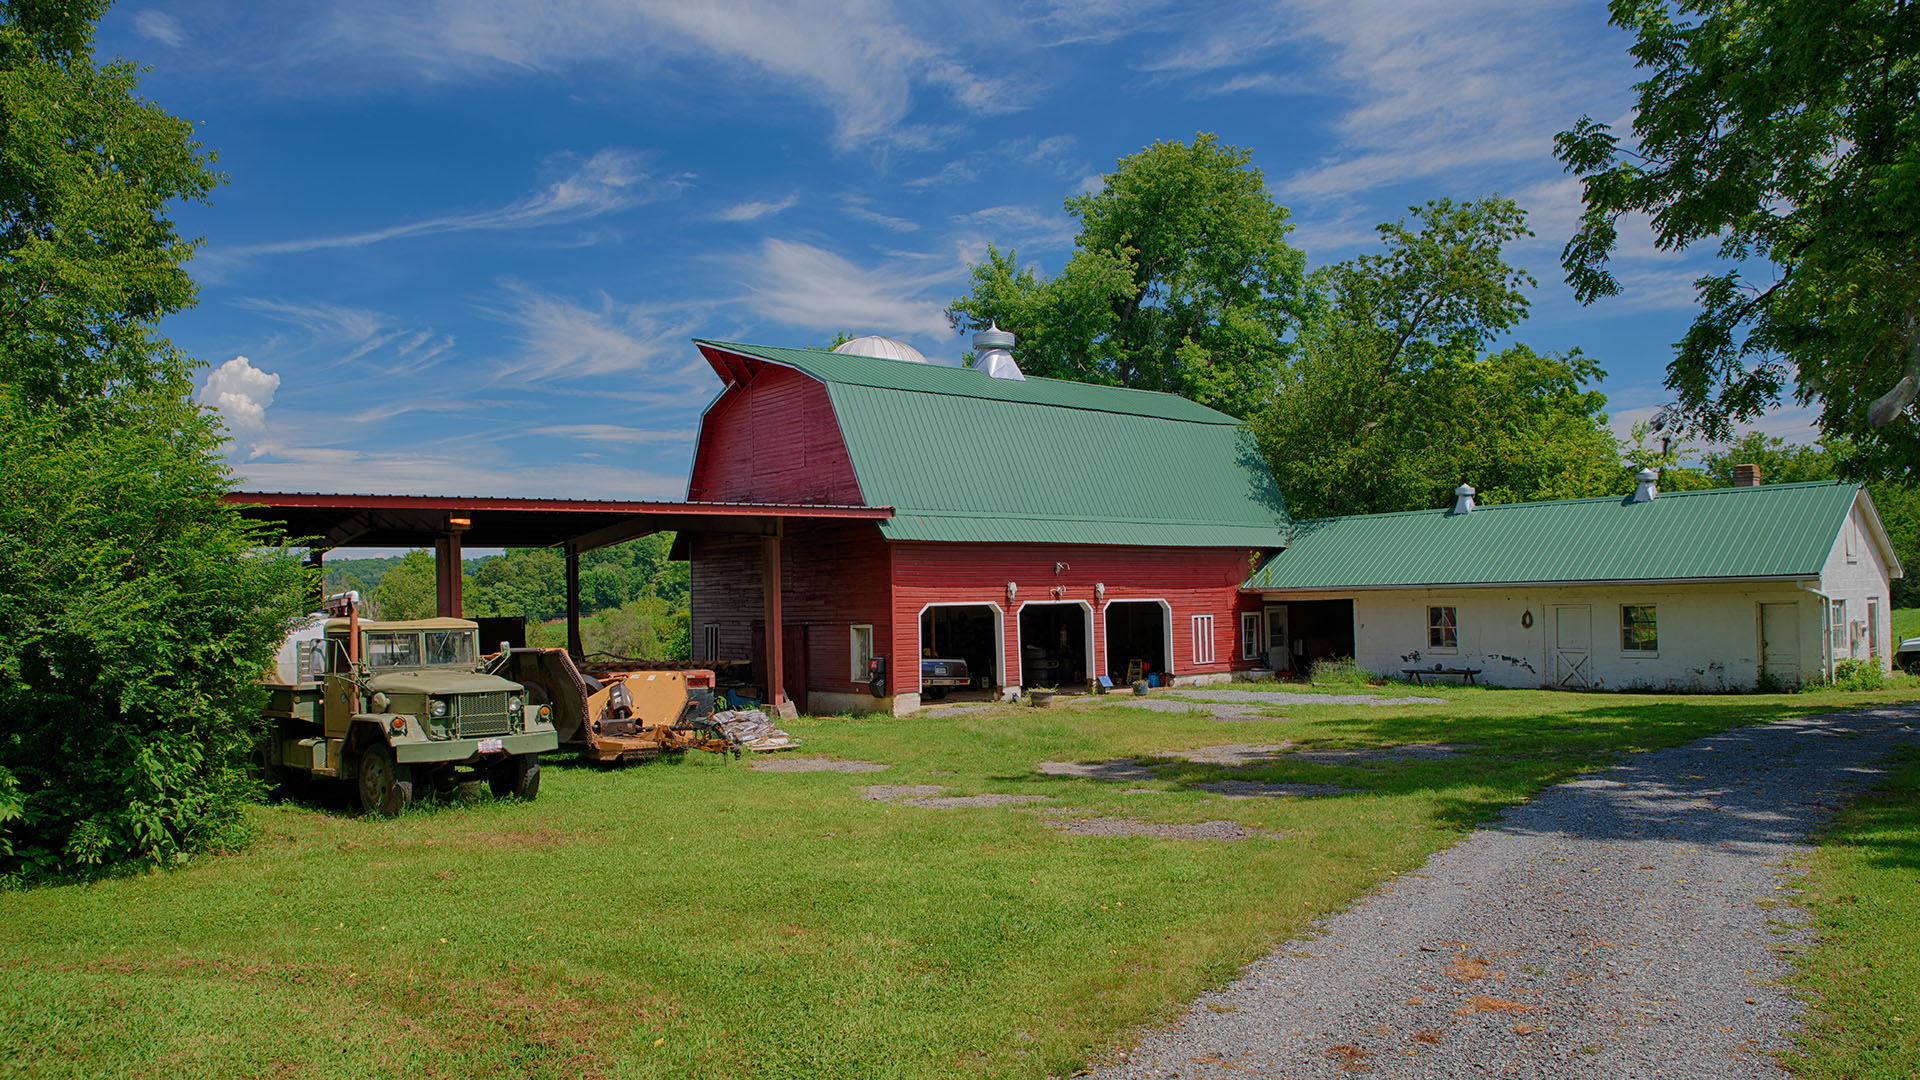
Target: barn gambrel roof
966 458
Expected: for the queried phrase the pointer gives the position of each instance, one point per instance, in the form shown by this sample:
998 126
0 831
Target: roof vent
995 359
1746 476
880 348
1646 491
1463 499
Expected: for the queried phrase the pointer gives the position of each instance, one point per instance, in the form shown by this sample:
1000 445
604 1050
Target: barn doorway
1137 639
966 632
1319 630
1053 644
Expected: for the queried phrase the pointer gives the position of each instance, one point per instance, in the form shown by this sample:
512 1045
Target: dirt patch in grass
1105 826
1254 789
890 792
1117 769
1380 754
816 764
517 840
962 802
1235 755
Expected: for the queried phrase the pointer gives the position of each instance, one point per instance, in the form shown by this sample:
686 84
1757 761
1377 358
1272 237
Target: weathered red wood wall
833 577
1193 581
774 440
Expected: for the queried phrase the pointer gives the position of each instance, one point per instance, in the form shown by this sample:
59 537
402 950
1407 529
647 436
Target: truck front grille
475 715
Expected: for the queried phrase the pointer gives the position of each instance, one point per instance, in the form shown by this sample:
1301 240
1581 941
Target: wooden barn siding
1195 581
832 577
773 440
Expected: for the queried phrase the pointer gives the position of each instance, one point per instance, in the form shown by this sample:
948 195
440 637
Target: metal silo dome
881 348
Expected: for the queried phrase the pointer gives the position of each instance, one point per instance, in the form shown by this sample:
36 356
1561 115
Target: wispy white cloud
614 433
456 470
805 286
561 338
754 211
958 171
159 26
860 58
610 180
1010 225
862 209
332 322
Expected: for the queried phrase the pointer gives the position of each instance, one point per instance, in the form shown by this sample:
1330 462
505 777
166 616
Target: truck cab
387 704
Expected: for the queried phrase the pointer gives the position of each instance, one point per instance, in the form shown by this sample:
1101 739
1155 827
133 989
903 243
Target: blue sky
464 246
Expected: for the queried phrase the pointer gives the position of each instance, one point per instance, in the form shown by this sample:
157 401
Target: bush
1859 675
137 612
1340 671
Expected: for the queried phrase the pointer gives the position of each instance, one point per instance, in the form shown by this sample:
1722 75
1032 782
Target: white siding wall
1709 635
1856 581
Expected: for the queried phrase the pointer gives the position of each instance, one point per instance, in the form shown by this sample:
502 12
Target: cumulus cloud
240 393
159 26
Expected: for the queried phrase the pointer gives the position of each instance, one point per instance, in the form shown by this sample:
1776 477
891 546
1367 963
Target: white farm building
1729 588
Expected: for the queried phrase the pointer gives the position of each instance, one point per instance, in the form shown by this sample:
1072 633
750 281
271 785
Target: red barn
1045 532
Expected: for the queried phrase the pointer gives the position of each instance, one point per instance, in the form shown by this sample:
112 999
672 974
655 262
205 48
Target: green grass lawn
1863 975
699 919
1906 623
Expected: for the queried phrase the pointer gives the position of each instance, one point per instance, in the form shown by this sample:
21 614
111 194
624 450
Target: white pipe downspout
1826 630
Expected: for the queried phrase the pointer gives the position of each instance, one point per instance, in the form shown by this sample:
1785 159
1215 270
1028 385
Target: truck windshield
450 648
393 650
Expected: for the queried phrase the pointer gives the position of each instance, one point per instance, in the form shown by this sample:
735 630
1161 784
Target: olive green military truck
387 705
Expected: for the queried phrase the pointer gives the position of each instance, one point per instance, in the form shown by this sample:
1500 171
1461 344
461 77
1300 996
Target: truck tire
518 776
386 786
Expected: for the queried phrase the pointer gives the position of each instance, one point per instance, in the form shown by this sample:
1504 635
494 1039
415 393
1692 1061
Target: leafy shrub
1858 675
1340 671
137 612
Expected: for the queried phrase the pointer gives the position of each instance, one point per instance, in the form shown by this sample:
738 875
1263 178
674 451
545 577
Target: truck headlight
437 707
513 703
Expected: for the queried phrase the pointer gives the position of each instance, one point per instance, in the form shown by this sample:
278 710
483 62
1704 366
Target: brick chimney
1746 476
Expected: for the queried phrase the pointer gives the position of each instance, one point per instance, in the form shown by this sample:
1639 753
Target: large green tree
137 609
1181 280
1392 401
1787 134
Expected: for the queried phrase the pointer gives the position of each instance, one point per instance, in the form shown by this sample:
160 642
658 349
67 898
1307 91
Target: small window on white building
1203 639
1443 628
1842 644
1846 530
1249 635
710 642
1873 627
860 644
1639 628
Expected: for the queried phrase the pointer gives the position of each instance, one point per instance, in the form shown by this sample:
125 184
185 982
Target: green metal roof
1770 531
962 457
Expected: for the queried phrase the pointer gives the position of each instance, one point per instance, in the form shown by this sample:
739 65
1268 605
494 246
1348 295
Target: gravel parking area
1621 926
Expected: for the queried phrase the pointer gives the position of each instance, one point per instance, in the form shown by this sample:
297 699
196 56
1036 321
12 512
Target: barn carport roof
1768 532
967 458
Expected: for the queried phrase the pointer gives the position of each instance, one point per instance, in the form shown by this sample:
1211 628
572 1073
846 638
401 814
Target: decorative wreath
1526 619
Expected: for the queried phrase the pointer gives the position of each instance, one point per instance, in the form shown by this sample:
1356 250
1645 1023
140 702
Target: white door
1279 658
1780 643
1573 646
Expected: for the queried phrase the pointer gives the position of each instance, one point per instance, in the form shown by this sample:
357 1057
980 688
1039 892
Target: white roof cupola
1463 499
1647 491
995 358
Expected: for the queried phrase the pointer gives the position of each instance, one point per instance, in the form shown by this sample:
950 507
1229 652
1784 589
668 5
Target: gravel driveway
1614 927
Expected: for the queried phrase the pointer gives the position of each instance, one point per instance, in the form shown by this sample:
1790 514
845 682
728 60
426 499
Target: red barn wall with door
1193 581
832 577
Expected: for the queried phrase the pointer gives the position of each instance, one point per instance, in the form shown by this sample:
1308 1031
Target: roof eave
1566 583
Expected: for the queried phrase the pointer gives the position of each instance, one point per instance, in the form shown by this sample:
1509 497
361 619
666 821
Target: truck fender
390 728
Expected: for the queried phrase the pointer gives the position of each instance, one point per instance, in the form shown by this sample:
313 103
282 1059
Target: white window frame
710 642
1837 628
1873 627
1853 552
1453 612
1203 639
1622 625
1250 635
859 663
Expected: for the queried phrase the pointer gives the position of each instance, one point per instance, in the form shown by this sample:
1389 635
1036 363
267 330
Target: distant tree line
635 598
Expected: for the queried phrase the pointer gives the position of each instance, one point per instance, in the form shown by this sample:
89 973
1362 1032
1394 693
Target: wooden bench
1464 674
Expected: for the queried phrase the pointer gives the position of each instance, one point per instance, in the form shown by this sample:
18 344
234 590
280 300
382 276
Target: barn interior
962 632
1136 640
1053 645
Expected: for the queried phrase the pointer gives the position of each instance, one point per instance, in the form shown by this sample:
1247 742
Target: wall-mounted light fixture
1011 590
455 524
1099 590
